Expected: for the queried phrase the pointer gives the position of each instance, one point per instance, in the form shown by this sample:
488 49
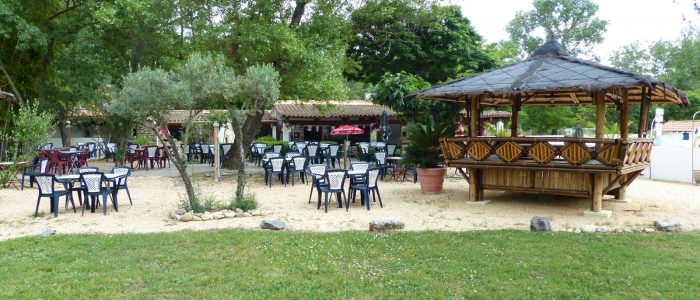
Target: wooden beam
464 174
597 192
615 183
599 100
473 132
624 132
644 112
514 115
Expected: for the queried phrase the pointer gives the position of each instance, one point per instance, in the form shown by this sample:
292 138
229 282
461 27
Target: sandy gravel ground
155 196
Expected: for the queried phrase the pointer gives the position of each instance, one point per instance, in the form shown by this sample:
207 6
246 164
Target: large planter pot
431 179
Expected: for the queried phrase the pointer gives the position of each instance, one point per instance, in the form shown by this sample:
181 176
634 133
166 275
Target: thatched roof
551 76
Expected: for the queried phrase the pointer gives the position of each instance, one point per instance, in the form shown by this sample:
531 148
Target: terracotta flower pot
431 180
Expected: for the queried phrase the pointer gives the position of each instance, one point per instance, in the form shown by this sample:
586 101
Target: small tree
259 88
149 95
30 129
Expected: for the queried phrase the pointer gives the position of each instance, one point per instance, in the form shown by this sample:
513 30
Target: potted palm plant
423 151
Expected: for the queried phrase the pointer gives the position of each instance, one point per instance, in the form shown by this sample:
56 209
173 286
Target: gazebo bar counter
584 167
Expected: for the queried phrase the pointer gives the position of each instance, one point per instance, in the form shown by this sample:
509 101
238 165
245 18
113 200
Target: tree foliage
572 22
423 38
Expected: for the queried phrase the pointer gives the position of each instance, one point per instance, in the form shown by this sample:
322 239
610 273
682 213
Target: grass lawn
257 264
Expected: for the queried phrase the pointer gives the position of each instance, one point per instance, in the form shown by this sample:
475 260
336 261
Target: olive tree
258 89
148 96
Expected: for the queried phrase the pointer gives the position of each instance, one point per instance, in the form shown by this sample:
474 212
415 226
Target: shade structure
346 130
551 77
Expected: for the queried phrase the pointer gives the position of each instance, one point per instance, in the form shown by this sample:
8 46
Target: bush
142 140
248 203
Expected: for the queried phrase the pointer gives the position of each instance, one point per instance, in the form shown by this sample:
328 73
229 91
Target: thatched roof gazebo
587 167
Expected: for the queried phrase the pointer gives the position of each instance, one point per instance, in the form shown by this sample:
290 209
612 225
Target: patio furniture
31 169
277 148
333 155
391 149
224 150
335 184
163 156
121 183
92 149
380 162
368 185
131 155
275 166
316 172
364 151
94 183
297 166
152 155
110 151
47 189
380 146
260 149
80 188
311 152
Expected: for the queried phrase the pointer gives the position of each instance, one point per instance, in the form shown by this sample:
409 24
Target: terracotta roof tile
334 109
680 126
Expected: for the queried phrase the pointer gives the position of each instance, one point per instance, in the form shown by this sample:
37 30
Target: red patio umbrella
347 130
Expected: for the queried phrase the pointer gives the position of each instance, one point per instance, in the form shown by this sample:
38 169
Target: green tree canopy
572 22
423 38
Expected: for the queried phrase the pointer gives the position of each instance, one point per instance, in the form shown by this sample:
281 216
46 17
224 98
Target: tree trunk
64 134
181 166
298 13
240 187
247 132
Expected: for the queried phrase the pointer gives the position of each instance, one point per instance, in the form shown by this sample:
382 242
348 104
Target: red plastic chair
164 157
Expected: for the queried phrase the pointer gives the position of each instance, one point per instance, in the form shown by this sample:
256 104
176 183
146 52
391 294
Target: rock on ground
218 215
45 232
229 214
181 211
384 224
272 224
207 217
667 226
540 224
187 217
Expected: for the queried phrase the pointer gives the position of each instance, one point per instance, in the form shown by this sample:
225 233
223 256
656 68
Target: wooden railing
592 154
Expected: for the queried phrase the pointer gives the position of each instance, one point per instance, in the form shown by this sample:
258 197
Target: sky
628 20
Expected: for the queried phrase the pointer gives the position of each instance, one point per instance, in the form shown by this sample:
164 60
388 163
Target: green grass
273 265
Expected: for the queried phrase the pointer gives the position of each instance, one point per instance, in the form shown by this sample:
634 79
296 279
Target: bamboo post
514 115
624 132
598 179
644 112
473 173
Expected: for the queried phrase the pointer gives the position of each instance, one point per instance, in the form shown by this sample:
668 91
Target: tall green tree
572 22
419 37
668 61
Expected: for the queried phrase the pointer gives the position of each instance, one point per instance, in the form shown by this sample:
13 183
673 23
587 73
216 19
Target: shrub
248 203
142 140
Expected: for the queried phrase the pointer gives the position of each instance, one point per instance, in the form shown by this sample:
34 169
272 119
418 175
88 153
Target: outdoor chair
32 169
80 188
361 167
47 189
301 146
132 156
195 150
92 149
47 146
369 185
291 155
311 152
58 161
204 153
152 155
82 159
333 155
391 149
335 184
163 157
298 163
364 151
121 183
380 146
292 146
316 172
275 166
277 148
94 183
110 151
260 149
224 149
380 162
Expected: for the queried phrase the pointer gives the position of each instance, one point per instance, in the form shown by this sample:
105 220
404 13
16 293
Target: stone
187 217
181 211
196 218
218 215
229 214
589 228
243 215
272 224
385 224
172 214
207 217
601 214
255 213
667 226
540 224
238 210
577 230
178 217
602 229
649 230
45 232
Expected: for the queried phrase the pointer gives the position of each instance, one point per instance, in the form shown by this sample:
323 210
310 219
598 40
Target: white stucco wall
672 163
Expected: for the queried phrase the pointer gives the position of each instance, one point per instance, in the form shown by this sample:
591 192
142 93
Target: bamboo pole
474 173
624 132
598 179
514 115
644 112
